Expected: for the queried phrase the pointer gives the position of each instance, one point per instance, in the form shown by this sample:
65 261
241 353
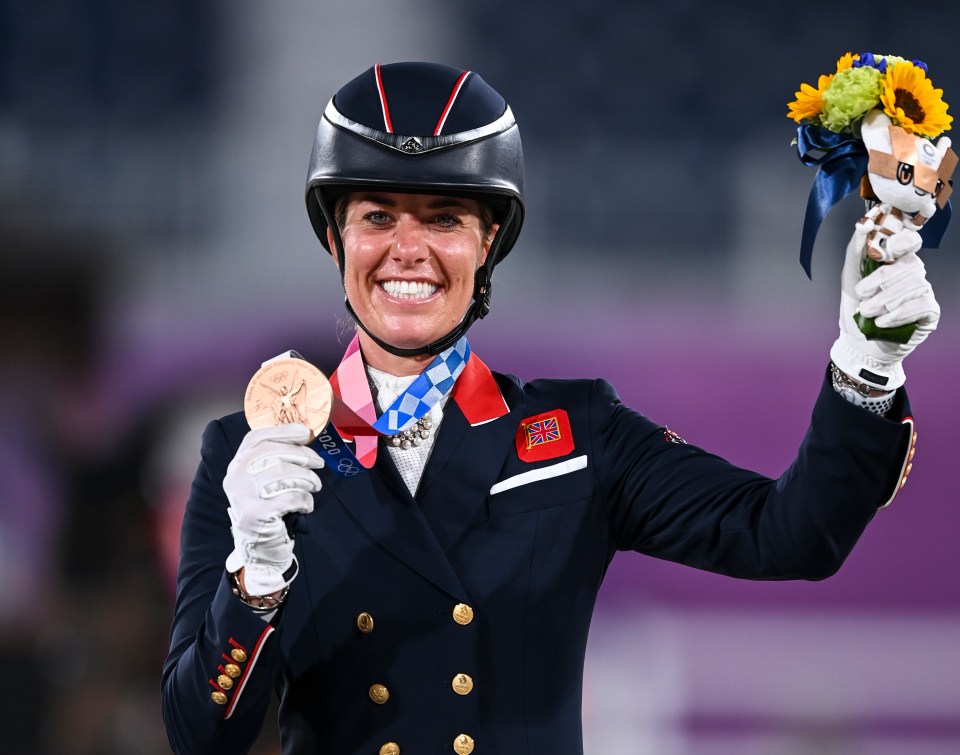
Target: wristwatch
858 393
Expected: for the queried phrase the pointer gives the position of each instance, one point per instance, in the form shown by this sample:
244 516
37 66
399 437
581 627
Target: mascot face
907 171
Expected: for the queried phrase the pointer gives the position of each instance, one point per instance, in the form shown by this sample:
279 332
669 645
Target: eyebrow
435 204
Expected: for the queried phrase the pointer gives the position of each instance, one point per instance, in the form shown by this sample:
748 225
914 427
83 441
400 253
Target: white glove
895 294
270 476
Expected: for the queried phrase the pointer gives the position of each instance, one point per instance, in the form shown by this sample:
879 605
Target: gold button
239 655
224 681
378 693
462 613
914 438
462 684
231 670
463 745
907 470
390 748
913 450
365 624
219 698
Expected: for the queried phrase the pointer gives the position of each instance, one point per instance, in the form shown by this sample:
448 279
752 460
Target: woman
440 600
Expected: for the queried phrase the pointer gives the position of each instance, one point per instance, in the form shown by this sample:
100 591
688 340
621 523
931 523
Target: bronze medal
288 390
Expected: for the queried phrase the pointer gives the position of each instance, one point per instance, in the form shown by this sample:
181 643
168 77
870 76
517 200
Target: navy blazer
470 603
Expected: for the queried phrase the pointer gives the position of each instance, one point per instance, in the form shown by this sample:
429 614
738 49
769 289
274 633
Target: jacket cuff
890 439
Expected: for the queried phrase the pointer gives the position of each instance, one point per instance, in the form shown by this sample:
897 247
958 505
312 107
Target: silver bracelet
858 393
259 603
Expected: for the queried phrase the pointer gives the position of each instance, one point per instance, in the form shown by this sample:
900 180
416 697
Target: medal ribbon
355 416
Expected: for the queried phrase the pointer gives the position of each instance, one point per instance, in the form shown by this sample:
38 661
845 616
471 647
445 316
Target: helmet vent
416 144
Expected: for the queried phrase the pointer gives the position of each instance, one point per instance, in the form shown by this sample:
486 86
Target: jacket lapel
380 502
465 462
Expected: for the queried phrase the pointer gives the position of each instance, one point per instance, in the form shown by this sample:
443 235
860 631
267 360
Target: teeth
408 289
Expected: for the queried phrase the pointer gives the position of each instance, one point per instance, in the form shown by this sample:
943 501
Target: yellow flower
909 98
846 61
809 102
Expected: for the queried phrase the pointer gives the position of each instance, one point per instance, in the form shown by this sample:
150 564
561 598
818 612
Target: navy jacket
471 608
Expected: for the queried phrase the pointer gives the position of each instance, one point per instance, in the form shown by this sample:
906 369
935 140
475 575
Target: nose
409 246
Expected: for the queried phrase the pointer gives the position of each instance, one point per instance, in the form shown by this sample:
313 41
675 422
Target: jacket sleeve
223 662
677 502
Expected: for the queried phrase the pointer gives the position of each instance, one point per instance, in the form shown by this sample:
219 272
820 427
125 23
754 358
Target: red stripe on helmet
383 101
453 97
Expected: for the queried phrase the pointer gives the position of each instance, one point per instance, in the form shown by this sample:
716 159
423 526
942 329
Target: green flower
892 60
852 93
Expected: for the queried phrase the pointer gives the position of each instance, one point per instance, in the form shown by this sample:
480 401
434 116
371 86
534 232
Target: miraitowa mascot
874 125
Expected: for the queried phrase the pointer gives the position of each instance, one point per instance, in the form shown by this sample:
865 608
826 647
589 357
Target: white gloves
895 294
270 476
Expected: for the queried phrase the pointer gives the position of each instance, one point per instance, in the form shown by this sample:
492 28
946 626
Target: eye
905 173
446 220
376 217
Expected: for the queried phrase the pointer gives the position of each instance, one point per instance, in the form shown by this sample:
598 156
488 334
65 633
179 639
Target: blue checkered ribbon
431 385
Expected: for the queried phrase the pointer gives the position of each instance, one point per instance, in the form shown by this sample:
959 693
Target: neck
381 359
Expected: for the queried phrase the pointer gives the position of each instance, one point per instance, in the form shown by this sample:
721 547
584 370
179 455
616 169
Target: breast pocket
541 488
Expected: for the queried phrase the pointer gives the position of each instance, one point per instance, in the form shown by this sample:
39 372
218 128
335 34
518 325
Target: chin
407 340
405 337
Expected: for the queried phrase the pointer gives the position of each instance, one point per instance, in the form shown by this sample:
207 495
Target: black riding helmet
424 128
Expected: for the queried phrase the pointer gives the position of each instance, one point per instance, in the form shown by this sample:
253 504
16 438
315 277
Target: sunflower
846 61
909 98
809 102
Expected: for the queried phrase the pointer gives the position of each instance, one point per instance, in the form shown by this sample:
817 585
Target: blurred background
155 249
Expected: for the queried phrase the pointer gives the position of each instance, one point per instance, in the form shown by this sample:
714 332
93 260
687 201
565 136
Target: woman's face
410 262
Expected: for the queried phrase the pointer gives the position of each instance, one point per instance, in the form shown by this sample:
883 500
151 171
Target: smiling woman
410 261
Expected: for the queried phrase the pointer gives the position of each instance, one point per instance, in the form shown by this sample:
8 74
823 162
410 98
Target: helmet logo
412 145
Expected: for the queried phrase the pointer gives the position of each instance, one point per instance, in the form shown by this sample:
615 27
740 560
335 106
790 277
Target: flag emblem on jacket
544 431
544 436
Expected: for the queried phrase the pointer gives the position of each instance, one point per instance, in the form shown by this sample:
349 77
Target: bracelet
259 603
858 393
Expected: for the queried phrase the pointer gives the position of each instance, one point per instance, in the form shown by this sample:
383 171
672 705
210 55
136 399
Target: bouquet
876 123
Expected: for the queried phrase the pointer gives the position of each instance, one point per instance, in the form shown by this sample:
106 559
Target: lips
404 289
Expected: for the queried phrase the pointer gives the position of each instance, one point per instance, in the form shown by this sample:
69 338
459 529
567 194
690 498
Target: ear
488 241
875 131
333 248
943 144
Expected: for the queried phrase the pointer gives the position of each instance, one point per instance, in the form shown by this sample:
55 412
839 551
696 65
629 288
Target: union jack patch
545 431
544 436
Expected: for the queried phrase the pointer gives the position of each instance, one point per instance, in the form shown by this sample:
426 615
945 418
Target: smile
408 289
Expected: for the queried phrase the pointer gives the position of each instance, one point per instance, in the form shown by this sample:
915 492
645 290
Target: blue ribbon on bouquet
842 161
